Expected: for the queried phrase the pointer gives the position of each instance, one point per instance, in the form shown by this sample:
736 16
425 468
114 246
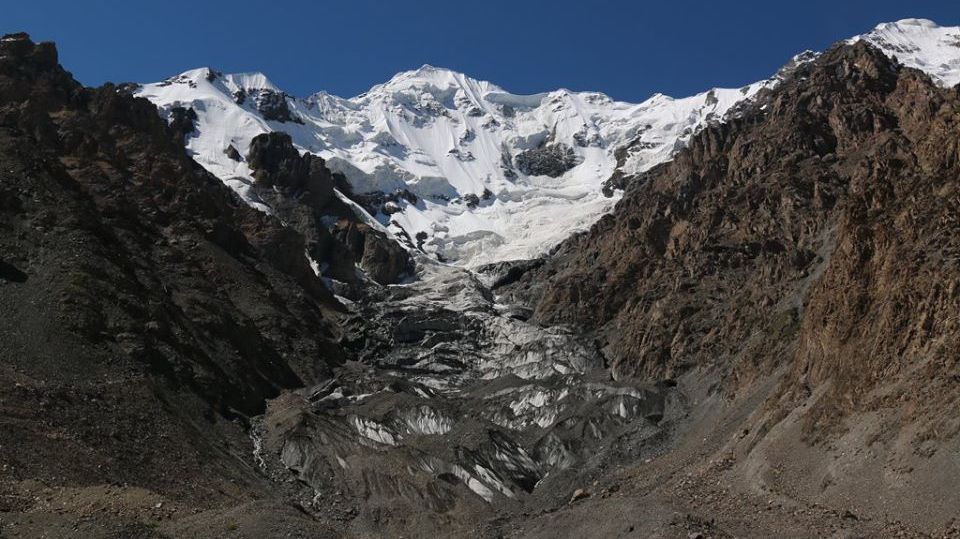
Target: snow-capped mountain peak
230 82
489 175
428 74
475 173
921 44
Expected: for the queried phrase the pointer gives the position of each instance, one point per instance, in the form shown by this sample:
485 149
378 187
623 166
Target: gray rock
549 160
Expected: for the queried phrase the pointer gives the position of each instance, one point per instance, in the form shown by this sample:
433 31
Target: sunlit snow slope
920 44
494 176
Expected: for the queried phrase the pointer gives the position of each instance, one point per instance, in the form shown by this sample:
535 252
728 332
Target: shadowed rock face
277 164
273 106
182 122
380 256
300 189
549 160
143 303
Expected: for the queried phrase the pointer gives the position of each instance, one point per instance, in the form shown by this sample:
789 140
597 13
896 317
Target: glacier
453 143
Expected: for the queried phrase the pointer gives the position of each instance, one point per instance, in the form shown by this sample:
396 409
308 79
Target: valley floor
689 490
449 431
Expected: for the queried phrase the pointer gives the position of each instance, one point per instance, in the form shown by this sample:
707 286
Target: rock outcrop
548 160
278 165
301 190
182 122
273 106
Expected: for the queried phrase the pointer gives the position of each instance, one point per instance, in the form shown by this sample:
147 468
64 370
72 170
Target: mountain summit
920 44
482 175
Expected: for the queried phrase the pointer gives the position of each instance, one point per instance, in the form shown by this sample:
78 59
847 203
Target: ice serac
467 171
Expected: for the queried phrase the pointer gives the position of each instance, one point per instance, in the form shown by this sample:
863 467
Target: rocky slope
785 211
813 239
341 242
148 313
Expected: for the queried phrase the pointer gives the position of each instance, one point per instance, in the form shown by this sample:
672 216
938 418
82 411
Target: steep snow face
920 44
494 176
225 118
467 171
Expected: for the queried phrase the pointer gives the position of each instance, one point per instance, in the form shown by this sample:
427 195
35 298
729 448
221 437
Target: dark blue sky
626 49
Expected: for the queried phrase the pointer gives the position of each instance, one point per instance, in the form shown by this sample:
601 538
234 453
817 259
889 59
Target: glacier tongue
471 173
455 400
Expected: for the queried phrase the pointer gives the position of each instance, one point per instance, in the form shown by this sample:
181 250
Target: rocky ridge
813 240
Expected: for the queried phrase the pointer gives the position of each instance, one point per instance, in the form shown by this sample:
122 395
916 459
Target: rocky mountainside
814 240
845 173
148 312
